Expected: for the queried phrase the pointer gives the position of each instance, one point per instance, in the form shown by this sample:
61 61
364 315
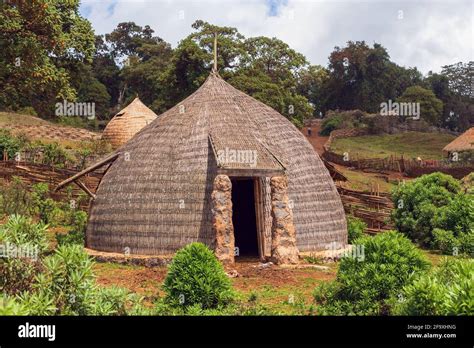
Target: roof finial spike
214 69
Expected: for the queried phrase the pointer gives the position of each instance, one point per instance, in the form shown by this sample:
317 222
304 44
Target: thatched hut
464 142
127 122
221 168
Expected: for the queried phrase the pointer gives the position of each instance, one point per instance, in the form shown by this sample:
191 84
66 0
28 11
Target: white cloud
431 34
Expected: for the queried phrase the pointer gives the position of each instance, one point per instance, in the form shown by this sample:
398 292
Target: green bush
364 284
77 234
433 201
196 277
355 228
447 290
68 280
330 124
445 241
9 144
43 204
55 155
9 306
22 243
15 199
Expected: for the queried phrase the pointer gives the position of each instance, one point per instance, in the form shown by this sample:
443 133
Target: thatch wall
156 196
464 142
126 123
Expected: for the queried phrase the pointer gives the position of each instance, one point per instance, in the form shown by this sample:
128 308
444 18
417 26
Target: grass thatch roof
126 123
156 196
464 142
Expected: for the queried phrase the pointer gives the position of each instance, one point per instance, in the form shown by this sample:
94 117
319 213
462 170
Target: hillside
36 128
410 145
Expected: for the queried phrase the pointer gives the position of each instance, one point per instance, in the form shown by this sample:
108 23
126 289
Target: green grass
410 145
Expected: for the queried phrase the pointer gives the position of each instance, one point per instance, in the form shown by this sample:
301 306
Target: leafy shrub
28 110
15 198
433 201
43 204
9 144
22 231
363 286
22 242
9 306
55 155
447 290
330 124
445 241
355 228
195 276
77 235
68 280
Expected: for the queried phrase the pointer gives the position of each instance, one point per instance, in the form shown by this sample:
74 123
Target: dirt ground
315 139
274 286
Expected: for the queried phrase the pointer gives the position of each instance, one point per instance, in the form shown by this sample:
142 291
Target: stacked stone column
222 226
284 249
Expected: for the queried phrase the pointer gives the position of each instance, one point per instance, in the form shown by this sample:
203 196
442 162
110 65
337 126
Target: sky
425 34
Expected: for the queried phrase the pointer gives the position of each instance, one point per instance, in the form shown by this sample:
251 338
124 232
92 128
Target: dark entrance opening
243 217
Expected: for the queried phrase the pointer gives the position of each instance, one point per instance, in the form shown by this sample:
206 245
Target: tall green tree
34 37
431 107
362 77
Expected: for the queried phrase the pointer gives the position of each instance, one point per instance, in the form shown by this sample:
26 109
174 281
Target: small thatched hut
464 142
126 123
221 168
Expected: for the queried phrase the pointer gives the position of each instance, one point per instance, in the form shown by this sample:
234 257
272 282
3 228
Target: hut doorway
244 217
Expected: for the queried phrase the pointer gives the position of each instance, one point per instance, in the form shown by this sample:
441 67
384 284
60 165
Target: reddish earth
315 139
251 277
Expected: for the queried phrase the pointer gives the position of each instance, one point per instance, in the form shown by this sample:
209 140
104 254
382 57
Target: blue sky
425 34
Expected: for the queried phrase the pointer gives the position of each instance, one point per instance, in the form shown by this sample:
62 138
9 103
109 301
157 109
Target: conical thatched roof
464 142
126 123
156 196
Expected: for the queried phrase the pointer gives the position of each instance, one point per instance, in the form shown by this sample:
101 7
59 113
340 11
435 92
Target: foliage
15 198
362 77
68 282
355 228
55 155
42 202
22 242
431 107
77 235
330 124
9 144
433 201
363 287
9 306
195 276
446 290
30 73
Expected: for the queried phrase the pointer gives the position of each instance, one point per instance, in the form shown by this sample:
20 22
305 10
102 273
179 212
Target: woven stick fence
32 174
373 208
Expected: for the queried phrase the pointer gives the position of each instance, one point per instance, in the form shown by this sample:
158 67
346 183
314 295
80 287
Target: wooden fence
373 208
410 167
32 174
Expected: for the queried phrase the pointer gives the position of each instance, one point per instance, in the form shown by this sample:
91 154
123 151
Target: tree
430 106
311 84
34 37
362 77
454 87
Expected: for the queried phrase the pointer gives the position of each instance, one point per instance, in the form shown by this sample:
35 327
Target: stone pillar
284 250
222 226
